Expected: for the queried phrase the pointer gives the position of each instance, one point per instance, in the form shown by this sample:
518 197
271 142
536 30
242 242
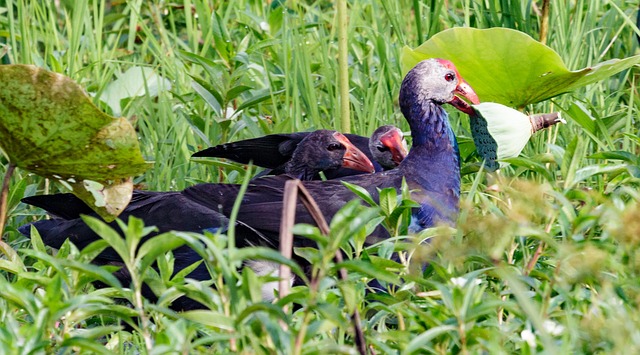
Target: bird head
438 80
323 150
388 146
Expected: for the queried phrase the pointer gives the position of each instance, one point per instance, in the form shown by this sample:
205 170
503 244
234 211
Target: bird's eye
334 146
449 77
383 148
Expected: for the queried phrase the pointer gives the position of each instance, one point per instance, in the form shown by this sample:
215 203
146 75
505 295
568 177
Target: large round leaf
508 66
49 126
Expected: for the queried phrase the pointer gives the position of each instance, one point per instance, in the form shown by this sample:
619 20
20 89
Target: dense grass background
545 256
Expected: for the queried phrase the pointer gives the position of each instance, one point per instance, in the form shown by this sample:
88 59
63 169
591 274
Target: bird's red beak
463 89
354 158
396 144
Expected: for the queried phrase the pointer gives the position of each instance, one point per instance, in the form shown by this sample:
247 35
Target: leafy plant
49 126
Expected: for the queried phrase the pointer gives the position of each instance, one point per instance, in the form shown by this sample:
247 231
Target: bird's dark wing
66 206
274 150
165 210
270 151
261 206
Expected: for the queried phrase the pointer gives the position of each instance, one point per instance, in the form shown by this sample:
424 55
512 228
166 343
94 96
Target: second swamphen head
386 148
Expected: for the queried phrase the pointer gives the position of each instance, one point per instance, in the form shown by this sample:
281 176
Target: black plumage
168 211
431 170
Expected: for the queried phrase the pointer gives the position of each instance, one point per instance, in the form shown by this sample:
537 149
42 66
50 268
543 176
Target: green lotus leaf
507 66
48 125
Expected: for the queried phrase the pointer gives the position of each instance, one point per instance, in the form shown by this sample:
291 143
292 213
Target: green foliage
544 257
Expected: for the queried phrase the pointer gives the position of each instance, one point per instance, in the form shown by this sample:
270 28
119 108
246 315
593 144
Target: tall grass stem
3 197
544 21
343 67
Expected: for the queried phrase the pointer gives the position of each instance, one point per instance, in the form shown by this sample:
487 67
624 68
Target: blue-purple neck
434 160
429 123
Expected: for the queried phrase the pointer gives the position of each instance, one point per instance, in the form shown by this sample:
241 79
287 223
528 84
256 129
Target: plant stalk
536 255
286 235
544 21
4 195
416 13
294 188
343 68
312 206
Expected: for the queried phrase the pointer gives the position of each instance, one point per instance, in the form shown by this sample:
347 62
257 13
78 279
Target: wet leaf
485 59
49 126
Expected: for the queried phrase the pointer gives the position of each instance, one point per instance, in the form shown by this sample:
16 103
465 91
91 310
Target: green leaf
210 319
92 250
499 132
90 346
385 263
369 270
617 155
221 164
485 59
422 340
349 294
36 240
360 192
9 266
108 199
49 126
271 309
156 246
259 96
110 235
221 37
236 91
209 94
388 200
580 114
10 254
531 165
592 170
